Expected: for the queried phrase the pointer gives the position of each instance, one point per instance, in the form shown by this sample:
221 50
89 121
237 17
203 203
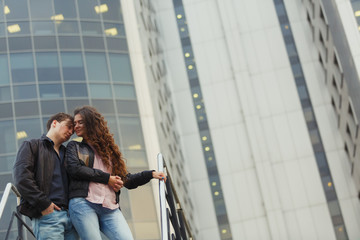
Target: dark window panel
45 43
3 45
24 92
66 8
7 162
104 106
76 90
50 91
87 9
22 67
28 129
67 27
48 66
69 42
127 107
5 94
114 10
18 9
117 44
19 43
72 66
94 43
6 110
72 104
91 28
2 27
4 70
52 107
23 109
43 28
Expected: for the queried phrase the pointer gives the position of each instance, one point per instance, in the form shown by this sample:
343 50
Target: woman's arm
134 180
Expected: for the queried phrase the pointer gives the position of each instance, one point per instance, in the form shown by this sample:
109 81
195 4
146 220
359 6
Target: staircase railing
173 222
20 219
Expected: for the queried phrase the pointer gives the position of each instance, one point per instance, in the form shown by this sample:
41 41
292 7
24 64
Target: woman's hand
159 175
115 183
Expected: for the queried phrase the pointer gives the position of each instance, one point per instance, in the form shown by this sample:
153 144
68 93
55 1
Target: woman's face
79 126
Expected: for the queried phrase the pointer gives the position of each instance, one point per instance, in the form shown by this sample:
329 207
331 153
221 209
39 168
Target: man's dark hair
59 117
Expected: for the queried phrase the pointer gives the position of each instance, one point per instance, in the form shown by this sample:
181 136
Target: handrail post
164 227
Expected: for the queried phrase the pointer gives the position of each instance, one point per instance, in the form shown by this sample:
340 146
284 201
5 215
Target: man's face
64 129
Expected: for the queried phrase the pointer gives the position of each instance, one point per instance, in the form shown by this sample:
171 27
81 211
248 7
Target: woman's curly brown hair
99 136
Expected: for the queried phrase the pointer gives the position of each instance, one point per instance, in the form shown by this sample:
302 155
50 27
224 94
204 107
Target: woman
97 172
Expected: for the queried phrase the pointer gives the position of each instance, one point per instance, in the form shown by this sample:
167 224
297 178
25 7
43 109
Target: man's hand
50 209
115 183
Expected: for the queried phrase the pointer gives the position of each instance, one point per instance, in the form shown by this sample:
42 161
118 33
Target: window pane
52 107
2 18
72 104
6 110
69 42
76 90
127 107
114 29
2 29
24 92
50 91
114 10
65 7
111 122
17 28
131 134
41 9
68 27
7 162
26 109
91 28
124 92
100 91
117 44
43 28
18 9
3 45
104 106
7 137
19 43
87 9
135 158
4 70
120 68
45 43
28 129
47 66
22 67
72 64
94 43
96 67
5 94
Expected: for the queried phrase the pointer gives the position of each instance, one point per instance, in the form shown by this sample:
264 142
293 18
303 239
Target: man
41 179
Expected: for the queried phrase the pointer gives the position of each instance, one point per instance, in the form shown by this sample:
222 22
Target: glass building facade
58 55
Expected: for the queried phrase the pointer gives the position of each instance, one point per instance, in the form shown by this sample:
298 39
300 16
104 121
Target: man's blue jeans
90 218
56 225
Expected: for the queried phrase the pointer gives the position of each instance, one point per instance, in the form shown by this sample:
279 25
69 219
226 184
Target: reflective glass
94 43
18 28
24 92
49 91
75 90
69 42
43 28
72 104
68 27
7 137
5 94
22 67
6 110
2 13
117 44
114 29
91 28
4 70
18 9
45 43
2 29
131 134
48 66
100 91
28 129
111 122
7 163
41 9
135 158
51 107
23 109
19 43
72 66
3 45
303 92
90 9
114 10
66 8
127 107
96 67
124 92
104 106
120 68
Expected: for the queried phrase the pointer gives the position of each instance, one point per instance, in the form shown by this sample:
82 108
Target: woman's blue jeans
90 218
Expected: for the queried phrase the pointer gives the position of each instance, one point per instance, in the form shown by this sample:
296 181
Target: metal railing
173 222
20 218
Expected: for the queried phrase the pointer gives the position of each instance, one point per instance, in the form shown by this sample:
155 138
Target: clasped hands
115 183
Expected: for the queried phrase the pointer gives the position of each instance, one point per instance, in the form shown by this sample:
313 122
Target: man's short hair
59 117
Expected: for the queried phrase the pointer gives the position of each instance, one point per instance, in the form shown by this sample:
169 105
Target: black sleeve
137 179
24 177
77 169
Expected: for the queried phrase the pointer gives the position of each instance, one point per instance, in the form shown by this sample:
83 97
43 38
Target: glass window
18 28
22 67
26 109
69 42
104 106
47 66
117 44
72 104
17 9
43 28
2 29
51 107
4 69
131 133
114 29
65 8
111 122
124 91
90 9
314 137
5 94
72 66
2 12
120 68
68 27
100 91
7 163
7 137
303 92
297 71
41 9
45 43
3 45
75 90
93 43
113 12
50 91
28 129
19 43
6 110
135 158
127 107
91 28
24 92
96 67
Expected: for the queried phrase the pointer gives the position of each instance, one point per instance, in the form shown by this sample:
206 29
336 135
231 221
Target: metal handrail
164 227
5 196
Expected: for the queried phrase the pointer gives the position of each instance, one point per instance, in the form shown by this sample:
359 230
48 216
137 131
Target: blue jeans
90 218
56 225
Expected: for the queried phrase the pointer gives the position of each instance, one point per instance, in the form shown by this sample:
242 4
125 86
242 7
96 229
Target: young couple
74 191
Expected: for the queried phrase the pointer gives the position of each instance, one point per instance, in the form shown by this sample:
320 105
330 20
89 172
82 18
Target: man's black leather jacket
33 172
79 162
